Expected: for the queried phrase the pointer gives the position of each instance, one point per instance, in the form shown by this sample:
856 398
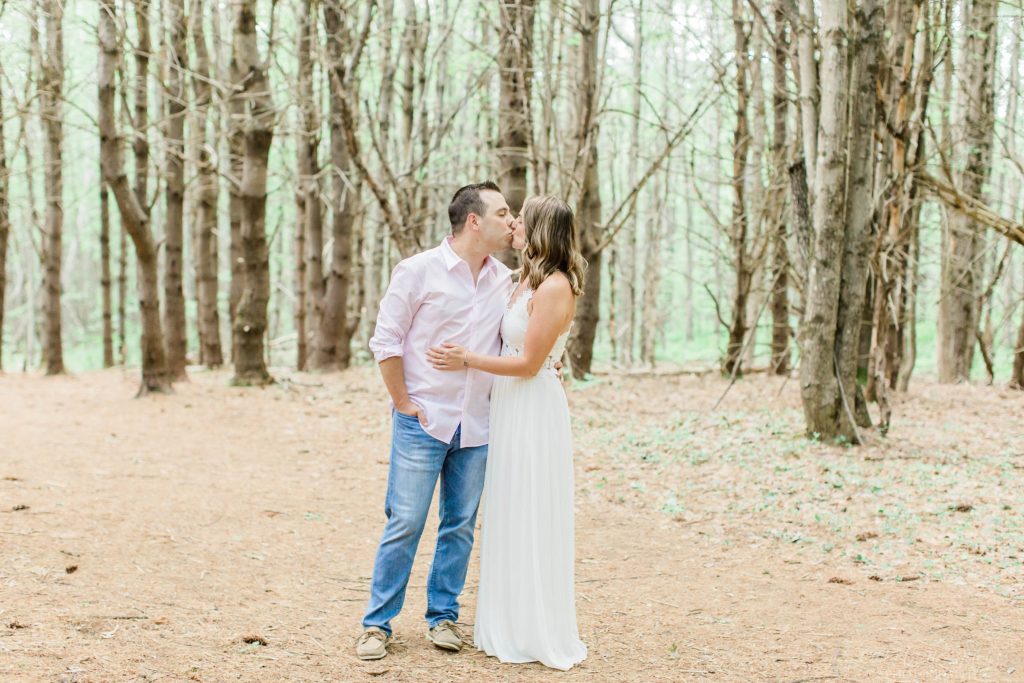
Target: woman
526 609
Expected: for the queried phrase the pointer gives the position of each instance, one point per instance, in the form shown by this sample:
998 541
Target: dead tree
174 207
345 43
776 203
962 245
51 94
515 125
5 223
588 204
205 251
309 277
252 92
902 112
134 212
835 286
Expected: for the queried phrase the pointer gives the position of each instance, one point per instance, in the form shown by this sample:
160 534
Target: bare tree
134 213
5 222
904 86
776 208
252 87
830 330
515 67
205 251
740 237
105 275
174 164
961 277
51 94
345 43
309 278
588 206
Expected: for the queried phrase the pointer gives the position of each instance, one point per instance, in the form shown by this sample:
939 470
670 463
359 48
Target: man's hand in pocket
412 410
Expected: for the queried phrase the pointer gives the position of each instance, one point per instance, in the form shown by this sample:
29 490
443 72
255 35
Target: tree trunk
378 236
134 217
818 387
630 253
251 317
651 318
206 251
808 73
174 162
588 210
870 21
236 106
108 318
515 127
1017 376
122 295
776 211
739 228
51 98
961 282
332 341
5 223
309 225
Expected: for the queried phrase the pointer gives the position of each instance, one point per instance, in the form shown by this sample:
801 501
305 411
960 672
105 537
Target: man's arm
393 372
398 306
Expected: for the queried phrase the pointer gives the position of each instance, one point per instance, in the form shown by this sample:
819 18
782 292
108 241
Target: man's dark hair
465 201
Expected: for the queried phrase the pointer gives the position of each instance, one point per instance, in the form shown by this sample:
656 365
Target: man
455 292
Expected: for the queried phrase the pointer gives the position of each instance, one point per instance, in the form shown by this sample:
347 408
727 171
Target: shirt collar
451 259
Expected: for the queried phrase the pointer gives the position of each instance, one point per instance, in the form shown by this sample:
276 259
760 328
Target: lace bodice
513 331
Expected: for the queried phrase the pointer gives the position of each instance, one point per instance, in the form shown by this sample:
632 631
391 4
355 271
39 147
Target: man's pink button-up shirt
432 300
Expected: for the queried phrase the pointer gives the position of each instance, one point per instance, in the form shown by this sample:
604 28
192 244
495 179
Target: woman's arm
553 308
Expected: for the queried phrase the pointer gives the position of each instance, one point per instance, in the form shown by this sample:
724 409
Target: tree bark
236 109
206 245
515 126
134 217
332 341
776 212
630 253
960 287
122 295
105 276
309 224
51 99
738 234
174 163
1017 375
588 210
870 22
378 237
808 72
5 223
818 387
250 322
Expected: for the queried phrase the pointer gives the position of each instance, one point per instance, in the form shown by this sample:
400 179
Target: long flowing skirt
526 609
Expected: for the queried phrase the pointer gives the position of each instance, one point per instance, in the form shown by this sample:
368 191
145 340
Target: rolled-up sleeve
397 308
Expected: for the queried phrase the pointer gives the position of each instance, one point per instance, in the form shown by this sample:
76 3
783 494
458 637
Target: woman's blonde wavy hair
551 243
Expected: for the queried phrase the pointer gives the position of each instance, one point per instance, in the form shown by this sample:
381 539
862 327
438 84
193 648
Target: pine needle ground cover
226 533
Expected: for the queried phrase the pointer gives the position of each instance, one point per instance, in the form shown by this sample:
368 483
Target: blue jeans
417 459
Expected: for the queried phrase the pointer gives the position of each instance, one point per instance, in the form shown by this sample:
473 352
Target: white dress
526 608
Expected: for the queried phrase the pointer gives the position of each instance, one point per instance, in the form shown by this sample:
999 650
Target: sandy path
198 520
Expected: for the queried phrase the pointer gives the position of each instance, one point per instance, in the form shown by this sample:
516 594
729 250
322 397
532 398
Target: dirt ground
145 540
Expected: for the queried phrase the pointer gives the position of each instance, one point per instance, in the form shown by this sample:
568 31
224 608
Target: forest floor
149 539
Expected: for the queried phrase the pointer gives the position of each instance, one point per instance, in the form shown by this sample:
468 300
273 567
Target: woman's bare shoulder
556 284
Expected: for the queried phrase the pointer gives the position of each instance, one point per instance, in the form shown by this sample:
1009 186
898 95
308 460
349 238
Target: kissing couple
469 359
